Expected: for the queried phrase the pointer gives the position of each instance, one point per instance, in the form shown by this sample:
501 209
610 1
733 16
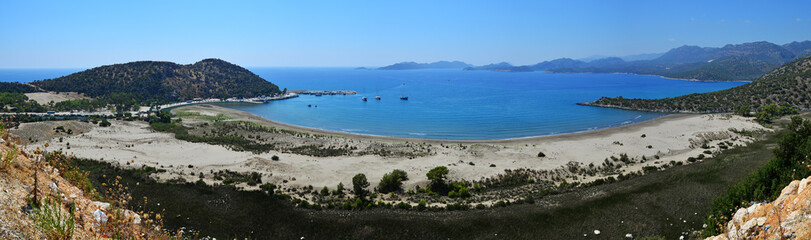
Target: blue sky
68 34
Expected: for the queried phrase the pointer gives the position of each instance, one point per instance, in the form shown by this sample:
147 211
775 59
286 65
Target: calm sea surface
450 104
457 104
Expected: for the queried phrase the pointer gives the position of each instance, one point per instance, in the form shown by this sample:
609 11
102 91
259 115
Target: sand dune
671 138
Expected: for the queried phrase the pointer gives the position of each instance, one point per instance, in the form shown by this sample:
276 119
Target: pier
323 92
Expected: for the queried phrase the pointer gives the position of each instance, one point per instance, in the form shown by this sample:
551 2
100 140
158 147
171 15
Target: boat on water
403 98
318 94
377 97
364 98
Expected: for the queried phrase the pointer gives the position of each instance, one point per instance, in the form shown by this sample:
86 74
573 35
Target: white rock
748 226
803 184
102 205
739 215
753 208
761 221
789 190
629 235
100 216
136 219
596 232
54 187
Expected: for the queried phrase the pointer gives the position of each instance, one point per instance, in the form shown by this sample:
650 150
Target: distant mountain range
635 57
433 65
733 62
146 81
787 85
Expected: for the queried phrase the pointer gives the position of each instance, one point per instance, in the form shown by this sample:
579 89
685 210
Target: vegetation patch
789 163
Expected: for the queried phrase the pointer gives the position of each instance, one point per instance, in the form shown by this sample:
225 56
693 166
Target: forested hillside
150 81
787 85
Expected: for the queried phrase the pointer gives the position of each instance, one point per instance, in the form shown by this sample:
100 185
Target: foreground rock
90 219
788 217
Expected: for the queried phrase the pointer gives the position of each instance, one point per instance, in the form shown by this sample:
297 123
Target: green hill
787 85
150 81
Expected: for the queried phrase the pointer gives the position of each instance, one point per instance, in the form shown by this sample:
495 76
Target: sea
449 104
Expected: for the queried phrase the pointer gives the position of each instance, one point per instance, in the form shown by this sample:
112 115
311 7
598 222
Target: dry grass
60 201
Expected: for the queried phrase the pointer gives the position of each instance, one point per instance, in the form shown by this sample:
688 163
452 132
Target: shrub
744 111
421 205
359 184
437 177
8 159
541 154
501 203
392 182
104 123
274 158
53 222
767 182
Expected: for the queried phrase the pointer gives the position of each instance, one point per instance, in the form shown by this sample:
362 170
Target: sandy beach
670 138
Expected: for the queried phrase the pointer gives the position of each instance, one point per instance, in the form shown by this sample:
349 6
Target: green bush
789 163
359 184
53 221
437 176
104 123
392 182
422 205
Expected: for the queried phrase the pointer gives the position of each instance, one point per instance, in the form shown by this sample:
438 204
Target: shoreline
562 136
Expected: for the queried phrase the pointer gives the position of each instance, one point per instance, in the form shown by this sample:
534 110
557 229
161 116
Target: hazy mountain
494 67
733 62
433 65
635 57
644 56
799 48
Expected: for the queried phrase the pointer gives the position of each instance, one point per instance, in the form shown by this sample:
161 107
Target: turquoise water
449 104
457 104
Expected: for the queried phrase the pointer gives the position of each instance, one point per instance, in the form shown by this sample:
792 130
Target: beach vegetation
437 177
359 185
104 123
392 182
